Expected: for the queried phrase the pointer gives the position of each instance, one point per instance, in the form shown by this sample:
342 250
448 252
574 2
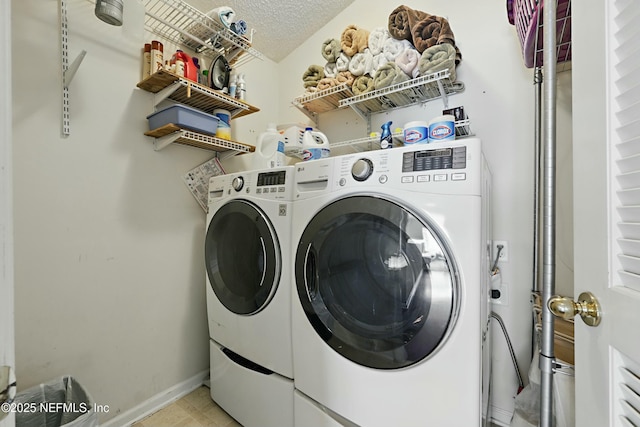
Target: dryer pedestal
254 398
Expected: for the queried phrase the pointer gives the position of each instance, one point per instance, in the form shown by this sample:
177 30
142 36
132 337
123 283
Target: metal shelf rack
180 23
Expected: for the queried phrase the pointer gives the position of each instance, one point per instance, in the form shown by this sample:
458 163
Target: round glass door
242 257
376 282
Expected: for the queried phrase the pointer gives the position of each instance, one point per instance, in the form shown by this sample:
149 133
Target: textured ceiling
280 25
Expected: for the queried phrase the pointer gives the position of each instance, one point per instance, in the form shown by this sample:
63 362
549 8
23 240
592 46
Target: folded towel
313 75
331 49
326 83
342 63
361 63
408 62
354 39
438 58
432 31
330 69
402 20
239 27
345 77
394 47
389 75
362 84
224 14
377 38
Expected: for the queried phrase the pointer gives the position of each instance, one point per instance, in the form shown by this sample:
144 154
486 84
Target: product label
413 135
440 132
315 153
281 146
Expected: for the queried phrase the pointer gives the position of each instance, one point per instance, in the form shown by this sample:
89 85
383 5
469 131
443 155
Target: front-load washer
248 265
391 304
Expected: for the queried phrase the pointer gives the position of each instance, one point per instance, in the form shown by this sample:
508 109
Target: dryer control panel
435 159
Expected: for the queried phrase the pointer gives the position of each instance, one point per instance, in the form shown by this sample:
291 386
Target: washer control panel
435 159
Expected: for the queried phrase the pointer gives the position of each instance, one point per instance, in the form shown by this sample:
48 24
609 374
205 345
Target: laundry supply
416 132
146 61
386 139
224 123
184 65
157 56
232 86
442 128
270 149
315 145
241 90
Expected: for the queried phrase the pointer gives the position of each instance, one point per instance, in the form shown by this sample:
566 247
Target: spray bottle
386 139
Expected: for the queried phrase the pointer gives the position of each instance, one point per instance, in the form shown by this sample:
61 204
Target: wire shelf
182 24
171 133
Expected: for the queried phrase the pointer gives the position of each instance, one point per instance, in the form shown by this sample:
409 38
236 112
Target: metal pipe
547 357
537 198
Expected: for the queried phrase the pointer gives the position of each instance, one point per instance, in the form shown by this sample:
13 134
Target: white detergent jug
315 145
269 154
269 149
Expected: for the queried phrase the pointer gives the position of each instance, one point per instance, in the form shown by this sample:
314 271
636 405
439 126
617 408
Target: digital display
445 152
271 178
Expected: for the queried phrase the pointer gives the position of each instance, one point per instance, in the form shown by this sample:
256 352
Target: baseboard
157 402
501 417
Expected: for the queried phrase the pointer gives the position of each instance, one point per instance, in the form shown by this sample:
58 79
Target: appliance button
258 190
424 178
280 189
342 182
237 183
440 177
362 169
383 179
460 176
407 179
274 189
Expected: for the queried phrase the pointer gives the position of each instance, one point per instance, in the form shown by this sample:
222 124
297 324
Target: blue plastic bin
184 117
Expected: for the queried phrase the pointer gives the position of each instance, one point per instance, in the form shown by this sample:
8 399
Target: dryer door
242 256
376 281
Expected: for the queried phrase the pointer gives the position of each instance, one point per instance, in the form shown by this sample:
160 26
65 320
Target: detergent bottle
315 145
386 139
270 149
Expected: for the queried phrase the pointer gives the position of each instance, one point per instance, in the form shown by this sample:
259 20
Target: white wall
499 99
110 280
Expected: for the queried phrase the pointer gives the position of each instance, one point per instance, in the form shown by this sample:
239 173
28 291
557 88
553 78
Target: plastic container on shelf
386 139
184 117
315 145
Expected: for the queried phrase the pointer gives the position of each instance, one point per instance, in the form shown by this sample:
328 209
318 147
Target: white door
606 141
6 223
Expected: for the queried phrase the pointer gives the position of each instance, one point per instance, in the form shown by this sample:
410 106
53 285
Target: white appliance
391 303
248 257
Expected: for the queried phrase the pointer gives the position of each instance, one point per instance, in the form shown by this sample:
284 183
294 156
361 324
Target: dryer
391 303
248 291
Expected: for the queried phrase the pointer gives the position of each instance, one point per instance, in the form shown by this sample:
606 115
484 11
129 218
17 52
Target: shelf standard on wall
68 71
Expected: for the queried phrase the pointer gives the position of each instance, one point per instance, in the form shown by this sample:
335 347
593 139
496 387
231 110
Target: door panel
376 282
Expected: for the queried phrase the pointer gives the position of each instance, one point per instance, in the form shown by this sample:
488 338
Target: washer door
376 282
242 256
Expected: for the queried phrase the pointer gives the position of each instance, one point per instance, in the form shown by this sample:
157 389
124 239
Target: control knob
362 169
237 183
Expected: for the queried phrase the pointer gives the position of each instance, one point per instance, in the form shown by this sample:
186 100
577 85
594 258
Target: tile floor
196 409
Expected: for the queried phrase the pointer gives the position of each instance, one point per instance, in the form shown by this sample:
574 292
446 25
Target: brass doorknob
587 307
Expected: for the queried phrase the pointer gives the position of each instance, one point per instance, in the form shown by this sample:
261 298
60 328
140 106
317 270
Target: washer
248 264
391 303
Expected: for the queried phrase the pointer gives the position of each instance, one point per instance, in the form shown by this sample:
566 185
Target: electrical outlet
504 295
504 253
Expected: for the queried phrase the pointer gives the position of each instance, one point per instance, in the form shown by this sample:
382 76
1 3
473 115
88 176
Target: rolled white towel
330 69
394 47
377 37
342 63
224 14
408 62
378 61
361 63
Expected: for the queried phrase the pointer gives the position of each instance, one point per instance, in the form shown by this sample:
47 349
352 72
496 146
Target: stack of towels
413 44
